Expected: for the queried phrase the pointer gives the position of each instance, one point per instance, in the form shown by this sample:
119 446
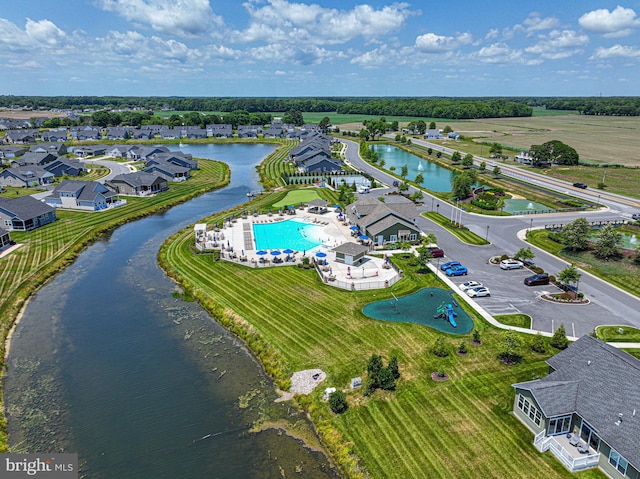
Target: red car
436 252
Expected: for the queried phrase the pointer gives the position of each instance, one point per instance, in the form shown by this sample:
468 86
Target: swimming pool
422 308
293 233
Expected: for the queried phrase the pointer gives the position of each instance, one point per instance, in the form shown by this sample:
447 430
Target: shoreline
14 325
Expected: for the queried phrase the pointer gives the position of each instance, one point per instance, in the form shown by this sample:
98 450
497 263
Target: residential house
118 133
12 151
119 151
143 134
5 239
65 166
194 133
587 410
21 137
141 152
139 183
178 158
37 159
453 136
168 171
25 176
526 158
274 131
58 149
86 133
389 222
249 131
24 213
54 136
220 130
318 163
83 195
90 150
171 133
433 134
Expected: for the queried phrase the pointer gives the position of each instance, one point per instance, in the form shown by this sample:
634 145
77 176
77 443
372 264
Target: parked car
396 183
478 292
469 285
511 264
580 185
635 216
436 252
446 266
456 271
537 279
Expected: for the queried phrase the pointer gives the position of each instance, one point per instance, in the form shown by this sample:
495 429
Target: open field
461 428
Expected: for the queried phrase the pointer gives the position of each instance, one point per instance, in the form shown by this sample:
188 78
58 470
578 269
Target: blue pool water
420 308
294 234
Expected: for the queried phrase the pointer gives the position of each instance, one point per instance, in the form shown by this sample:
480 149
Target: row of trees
104 118
577 236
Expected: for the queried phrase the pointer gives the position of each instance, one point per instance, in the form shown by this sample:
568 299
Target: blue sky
322 48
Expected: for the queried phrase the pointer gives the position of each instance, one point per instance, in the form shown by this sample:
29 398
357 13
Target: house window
559 425
530 410
617 461
413 237
393 238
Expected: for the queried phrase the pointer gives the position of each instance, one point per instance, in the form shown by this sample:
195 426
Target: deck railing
572 463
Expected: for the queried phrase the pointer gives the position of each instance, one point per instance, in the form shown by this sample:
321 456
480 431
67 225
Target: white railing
570 462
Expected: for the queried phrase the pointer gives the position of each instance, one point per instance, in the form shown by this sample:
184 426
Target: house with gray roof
90 150
21 137
65 166
5 239
25 176
177 158
350 253
587 410
83 195
57 149
118 133
390 222
139 183
36 159
25 213
220 130
321 164
12 151
54 136
168 171
433 134
119 151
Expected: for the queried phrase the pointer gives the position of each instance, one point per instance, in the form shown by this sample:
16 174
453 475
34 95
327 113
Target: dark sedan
537 279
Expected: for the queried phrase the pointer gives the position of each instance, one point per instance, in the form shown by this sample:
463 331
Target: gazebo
350 253
318 206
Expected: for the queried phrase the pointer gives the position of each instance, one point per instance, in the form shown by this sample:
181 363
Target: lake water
107 363
436 178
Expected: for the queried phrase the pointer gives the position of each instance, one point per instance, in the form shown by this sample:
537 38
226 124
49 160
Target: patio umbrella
354 228
261 253
364 237
275 253
320 254
242 252
337 206
288 251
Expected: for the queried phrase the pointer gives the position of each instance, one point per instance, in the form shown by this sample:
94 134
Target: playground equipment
445 311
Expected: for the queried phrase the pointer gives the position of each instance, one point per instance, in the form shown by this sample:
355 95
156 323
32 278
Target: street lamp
437 208
486 238
432 198
531 225
598 204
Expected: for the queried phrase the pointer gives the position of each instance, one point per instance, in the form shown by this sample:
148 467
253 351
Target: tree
324 124
559 339
404 171
525 254
538 344
421 127
429 151
496 171
496 149
403 186
424 254
440 347
438 154
575 235
394 368
462 184
386 380
417 196
476 336
467 161
364 134
456 157
554 152
419 178
608 244
432 125
293 117
568 276
511 342
101 119
382 162
462 349
373 368
482 167
447 129
338 402
398 136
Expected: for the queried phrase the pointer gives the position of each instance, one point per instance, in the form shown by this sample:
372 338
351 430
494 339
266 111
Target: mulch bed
437 378
460 353
476 343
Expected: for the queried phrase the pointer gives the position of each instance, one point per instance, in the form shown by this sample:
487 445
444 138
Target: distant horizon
320 48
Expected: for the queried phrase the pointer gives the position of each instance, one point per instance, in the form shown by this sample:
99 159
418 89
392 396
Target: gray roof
352 249
83 190
598 382
139 178
24 207
319 203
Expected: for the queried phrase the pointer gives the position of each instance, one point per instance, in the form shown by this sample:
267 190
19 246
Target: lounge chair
574 440
583 448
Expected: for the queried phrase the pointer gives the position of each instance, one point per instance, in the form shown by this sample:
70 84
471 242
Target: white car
511 264
468 285
478 292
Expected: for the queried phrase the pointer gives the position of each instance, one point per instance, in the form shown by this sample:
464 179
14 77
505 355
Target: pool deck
237 243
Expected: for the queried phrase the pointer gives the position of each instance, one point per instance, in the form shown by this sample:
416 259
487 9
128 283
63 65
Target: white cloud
617 23
499 53
616 51
559 44
301 55
432 43
535 23
134 45
297 22
35 36
173 17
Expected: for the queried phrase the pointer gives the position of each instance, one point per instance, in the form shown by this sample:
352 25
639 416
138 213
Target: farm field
461 428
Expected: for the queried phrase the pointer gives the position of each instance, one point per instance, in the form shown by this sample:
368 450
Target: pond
525 207
428 307
109 362
436 178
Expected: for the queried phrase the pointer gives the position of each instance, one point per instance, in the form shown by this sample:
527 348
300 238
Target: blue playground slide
451 314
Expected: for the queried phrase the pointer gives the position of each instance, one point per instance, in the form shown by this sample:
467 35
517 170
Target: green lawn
626 334
462 233
461 428
519 320
295 197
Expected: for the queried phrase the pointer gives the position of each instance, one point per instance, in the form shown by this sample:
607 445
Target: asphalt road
608 304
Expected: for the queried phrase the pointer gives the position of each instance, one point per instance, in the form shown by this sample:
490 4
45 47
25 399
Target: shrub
559 339
485 205
440 347
476 336
552 279
538 270
462 348
338 402
441 373
504 256
394 368
538 344
386 379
